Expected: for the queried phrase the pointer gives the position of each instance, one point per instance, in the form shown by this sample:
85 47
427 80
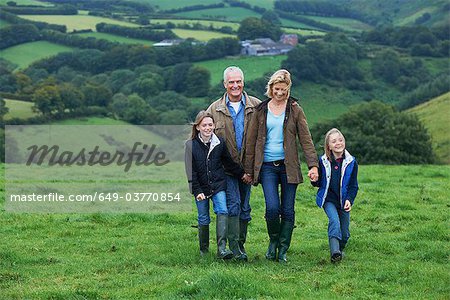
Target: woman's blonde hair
326 148
280 76
198 119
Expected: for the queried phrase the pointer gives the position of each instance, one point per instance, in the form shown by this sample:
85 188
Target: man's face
234 85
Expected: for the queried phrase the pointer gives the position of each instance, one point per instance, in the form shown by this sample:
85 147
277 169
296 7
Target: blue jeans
338 223
219 206
271 177
238 198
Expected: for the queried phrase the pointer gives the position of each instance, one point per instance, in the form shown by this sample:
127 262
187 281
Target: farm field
253 67
344 23
3 23
27 2
398 249
215 24
236 14
76 22
24 54
295 24
434 114
115 38
19 109
201 35
170 4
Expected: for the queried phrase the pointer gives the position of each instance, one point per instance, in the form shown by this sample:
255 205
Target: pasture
398 249
343 23
25 54
170 4
434 115
215 24
235 14
76 22
116 38
253 66
201 35
19 109
3 23
27 2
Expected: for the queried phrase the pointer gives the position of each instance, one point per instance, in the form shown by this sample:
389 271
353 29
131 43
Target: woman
272 159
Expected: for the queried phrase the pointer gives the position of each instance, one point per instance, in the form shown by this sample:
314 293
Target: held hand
200 197
313 174
247 178
347 206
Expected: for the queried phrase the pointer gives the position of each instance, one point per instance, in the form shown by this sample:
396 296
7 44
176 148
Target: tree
47 100
252 28
271 17
197 81
376 133
3 109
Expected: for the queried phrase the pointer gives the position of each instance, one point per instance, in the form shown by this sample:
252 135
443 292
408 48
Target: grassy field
236 14
170 4
3 23
19 109
215 24
434 114
344 23
76 22
201 35
253 67
116 38
27 2
24 54
398 250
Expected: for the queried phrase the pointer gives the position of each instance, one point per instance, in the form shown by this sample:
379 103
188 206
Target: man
231 114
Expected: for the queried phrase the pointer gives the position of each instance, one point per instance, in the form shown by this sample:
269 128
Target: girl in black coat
206 159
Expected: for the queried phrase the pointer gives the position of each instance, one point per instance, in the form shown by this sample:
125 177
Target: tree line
64 9
146 33
13 19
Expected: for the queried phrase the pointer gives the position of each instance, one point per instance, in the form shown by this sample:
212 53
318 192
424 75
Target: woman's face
206 128
280 91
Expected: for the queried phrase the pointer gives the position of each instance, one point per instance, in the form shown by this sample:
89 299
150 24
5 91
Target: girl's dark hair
198 119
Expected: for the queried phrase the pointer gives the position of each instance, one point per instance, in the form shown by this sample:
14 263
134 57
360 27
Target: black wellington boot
203 238
285 239
243 225
273 229
233 238
221 235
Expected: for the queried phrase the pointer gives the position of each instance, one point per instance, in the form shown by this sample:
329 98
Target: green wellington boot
203 238
273 229
285 239
221 235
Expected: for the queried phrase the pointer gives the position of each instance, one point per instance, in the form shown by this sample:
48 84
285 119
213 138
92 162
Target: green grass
3 23
19 109
215 24
27 2
253 67
116 38
295 24
24 54
76 22
398 250
90 121
170 4
344 23
201 35
434 114
303 32
236 14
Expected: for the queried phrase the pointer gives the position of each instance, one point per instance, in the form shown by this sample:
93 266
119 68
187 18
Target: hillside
435 116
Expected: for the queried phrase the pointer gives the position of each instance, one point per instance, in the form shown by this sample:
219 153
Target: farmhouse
166 43
266 46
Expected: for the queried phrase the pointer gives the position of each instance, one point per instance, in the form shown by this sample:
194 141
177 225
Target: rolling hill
435 116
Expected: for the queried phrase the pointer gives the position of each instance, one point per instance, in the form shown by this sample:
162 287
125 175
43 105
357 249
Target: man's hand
247 178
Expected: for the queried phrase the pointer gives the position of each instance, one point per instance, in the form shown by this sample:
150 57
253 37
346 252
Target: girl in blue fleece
338 186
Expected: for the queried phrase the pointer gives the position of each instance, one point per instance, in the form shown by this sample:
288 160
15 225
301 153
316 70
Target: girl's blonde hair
198 119
326 148
280 76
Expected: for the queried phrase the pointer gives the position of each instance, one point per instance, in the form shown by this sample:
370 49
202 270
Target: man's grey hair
230 70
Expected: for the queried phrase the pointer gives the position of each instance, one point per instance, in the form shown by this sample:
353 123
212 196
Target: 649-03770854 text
101 197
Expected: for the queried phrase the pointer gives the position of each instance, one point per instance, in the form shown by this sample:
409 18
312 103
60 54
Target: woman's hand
200 197
313 174
247 178
347 206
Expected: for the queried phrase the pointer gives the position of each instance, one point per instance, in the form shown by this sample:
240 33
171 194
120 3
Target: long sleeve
250 144
353 184
305 139
229 164
191 173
